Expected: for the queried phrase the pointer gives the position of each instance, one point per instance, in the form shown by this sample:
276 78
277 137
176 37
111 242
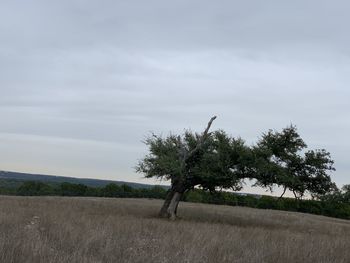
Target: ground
57 229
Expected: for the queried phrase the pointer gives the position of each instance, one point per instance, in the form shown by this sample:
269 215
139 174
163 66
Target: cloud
82 71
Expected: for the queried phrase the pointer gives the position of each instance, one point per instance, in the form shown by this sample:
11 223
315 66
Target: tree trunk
169 208
295 195
284 191
177 206
164 210
297 199
173 205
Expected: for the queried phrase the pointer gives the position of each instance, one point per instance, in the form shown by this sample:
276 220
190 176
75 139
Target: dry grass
53 229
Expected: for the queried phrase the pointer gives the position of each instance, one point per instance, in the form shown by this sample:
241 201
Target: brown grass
55 229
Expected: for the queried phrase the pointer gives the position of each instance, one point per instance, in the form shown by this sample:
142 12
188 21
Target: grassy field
56 229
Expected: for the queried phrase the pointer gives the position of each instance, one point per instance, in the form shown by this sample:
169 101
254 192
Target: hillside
14 179
58 230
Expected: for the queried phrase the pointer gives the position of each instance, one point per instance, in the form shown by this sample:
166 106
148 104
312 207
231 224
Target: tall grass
56 229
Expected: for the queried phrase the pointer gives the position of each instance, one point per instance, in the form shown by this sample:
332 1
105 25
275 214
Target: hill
59 230
15 179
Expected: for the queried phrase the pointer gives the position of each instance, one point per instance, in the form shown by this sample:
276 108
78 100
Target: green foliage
68 189
212 161
338 195
163 161
221 161
224 162
327 208
111 190
35 188
282 159
195 197
346 193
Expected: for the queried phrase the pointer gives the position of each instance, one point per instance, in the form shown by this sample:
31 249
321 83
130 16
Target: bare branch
202 138
205 133
182 149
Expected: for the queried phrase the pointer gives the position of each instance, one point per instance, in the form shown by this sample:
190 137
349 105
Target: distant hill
14 179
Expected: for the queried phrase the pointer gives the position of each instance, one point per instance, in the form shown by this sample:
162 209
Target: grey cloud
87 73
178 25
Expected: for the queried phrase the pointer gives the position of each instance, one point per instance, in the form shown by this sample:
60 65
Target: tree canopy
216 160
282 159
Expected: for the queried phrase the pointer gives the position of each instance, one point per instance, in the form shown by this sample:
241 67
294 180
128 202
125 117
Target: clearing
58 229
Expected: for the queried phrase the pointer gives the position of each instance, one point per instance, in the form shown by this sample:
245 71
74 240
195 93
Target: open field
56 229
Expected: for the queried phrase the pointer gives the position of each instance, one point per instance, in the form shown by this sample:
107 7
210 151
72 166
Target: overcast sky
83 82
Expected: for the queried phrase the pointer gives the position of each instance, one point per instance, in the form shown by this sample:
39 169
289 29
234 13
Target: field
56 229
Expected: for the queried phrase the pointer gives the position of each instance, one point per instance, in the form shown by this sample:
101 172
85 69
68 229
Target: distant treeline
333 208
37 188
336 205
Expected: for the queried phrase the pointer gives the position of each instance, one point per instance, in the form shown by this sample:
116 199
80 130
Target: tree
69 189
346 193
282 159
33 188
111 190
213 160
208 160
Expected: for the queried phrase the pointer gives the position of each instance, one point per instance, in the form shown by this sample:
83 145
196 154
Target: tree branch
284 191
205 133
182 149
202 138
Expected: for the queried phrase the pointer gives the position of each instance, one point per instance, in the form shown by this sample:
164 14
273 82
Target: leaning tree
208 160
212 160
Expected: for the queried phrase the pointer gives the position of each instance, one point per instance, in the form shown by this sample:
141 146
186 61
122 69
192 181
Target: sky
82 83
